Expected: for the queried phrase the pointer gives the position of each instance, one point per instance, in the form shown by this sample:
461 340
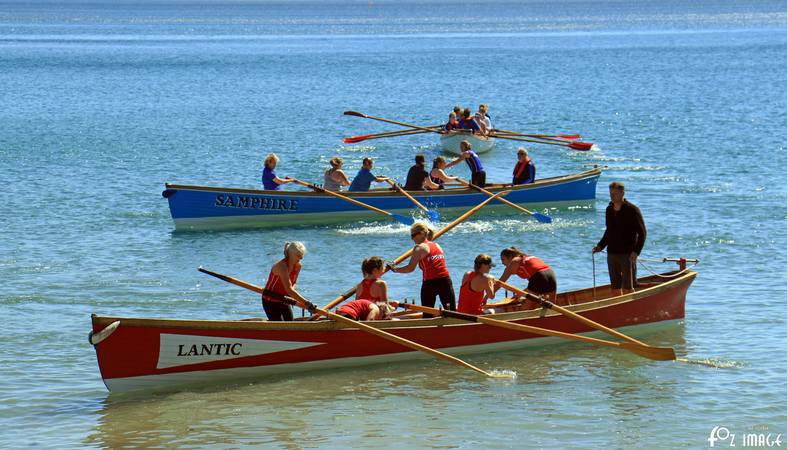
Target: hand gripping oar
417 127
540 217
407 254
360 325
398 217
656 353
668 353
576 145
434 216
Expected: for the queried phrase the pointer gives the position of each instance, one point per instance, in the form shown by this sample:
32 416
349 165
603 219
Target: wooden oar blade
584 146
654 353
403 219
354 113
542 217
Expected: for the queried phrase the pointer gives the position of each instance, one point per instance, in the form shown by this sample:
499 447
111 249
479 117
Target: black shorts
543 282
438 287
479 179
277 311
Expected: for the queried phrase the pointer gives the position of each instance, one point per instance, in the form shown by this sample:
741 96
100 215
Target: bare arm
455 162
382 290
340 177
510 270
419 252
280 269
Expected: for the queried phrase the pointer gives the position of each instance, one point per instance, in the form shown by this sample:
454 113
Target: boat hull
451 140
144 354
203 207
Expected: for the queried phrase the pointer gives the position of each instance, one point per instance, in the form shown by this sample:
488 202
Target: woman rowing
281 282
477 286
477 172
438 176
269 179
335 177
430 258
372 287
541 278
363 309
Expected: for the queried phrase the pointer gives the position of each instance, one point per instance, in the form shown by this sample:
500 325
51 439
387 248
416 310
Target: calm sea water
102 102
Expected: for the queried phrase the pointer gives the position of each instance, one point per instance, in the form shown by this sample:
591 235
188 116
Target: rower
281 282
269 179
541 278
430 258
467 123
335 177
418 177
372 287
525 169
477 286
363 180
452 123
367 310
437 176
483 109
477 172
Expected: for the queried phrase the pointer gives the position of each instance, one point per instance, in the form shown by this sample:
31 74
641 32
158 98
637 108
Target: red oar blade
584 146
570 137
354 139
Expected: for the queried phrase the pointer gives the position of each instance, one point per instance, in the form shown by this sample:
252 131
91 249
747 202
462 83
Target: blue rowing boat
205 207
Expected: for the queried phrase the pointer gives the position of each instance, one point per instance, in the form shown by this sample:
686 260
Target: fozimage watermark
757 437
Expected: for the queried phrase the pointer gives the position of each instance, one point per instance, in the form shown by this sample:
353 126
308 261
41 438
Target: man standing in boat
363 180
430 258
478 175
624 238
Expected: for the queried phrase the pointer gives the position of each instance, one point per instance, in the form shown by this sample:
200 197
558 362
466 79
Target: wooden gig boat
204 207
144 354
450 142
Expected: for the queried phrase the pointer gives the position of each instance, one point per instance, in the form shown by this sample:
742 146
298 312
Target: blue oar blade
402 219
434 216
542 218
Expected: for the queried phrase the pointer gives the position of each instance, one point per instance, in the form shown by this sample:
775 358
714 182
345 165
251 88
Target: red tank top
366 290
470 301
529 266
357 309
274 283
433 264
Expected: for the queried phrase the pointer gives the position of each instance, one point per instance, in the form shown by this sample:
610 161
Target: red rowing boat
137 353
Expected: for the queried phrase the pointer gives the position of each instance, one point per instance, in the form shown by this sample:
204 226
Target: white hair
295 246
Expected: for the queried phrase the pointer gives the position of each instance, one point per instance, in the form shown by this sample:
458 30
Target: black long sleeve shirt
625 231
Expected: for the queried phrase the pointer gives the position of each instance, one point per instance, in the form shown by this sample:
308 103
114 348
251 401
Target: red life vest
357 309
433 264
470 301
274 282
366 290
529 266
519 168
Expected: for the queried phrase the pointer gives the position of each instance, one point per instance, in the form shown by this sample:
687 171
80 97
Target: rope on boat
656 274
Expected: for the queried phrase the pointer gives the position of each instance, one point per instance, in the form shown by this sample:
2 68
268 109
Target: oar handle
417 127
337 195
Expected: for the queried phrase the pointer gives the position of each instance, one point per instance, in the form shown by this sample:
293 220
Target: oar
576 145
362 326
433 215
356 139
540 217
437 234
656 353
398 217
549 305
417 127
565 137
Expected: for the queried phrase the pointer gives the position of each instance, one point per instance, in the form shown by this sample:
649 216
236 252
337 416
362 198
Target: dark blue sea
102 102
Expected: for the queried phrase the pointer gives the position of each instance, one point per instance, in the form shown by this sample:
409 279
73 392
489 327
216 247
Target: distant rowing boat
204 207
144 354
450 140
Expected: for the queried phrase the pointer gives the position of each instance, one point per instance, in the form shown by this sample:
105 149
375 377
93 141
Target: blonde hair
295 246
420 227
521 151
269 158
386 310
336 162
